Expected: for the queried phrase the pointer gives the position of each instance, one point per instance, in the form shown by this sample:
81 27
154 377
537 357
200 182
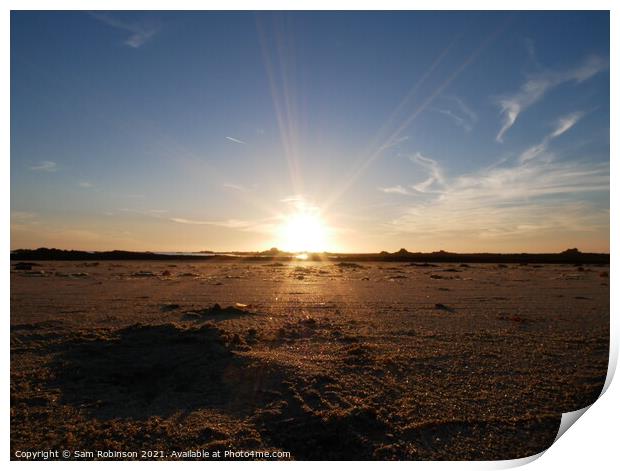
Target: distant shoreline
571 256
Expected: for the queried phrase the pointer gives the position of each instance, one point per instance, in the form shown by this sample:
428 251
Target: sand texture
323 360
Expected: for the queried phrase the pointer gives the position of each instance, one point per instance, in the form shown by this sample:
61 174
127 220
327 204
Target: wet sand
322 360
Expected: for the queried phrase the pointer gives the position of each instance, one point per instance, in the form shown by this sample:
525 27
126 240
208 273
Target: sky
186 131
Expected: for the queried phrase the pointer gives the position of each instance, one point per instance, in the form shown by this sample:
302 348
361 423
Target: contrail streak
238 141
414 115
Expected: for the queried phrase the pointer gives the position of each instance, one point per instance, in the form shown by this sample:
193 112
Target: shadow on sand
145 370
162 370
142 371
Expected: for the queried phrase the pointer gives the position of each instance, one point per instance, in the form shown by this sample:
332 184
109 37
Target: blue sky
461 131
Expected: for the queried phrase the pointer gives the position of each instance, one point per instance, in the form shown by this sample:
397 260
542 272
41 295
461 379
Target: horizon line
276 251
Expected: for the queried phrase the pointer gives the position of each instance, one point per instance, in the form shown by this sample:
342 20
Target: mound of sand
143 370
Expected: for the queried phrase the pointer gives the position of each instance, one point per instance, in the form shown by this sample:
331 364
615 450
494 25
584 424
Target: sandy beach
318 359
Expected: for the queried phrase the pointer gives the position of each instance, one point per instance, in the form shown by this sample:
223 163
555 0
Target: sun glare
303 231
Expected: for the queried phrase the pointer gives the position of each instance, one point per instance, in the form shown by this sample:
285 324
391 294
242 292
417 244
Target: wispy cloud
22 215
433 182
458 120
156 213
139 31
461 114
435 173
230 223
530 48
45 166
566 122
23 220
85 184
562 125
294 199
531 196
468 221
234 139
300 203
263 226
235 186
398 189
536 86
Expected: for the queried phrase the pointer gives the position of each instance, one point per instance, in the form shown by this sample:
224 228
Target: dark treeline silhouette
572 256
58 254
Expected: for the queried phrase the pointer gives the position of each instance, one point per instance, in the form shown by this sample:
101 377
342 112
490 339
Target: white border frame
591 443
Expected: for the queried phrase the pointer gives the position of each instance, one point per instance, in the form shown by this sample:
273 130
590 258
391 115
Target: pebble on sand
23 266
169 307
143 273
443 307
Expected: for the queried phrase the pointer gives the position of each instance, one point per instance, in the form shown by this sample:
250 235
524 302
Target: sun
303 231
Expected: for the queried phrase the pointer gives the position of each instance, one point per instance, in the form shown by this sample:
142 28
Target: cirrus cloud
536 86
